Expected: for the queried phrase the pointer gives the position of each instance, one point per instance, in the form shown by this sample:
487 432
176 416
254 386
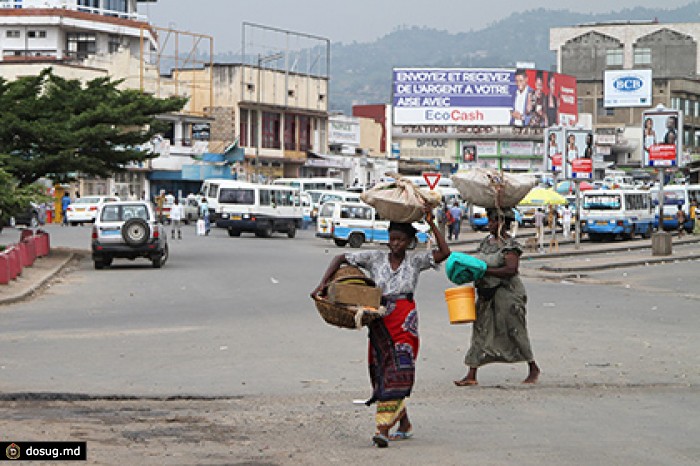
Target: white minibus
305 184
258 208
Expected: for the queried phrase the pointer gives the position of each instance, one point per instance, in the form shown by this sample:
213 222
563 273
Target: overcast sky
355 20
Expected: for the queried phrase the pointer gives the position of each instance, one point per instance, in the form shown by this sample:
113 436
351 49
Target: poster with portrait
469 153
553 149
552 99
662 132
578 154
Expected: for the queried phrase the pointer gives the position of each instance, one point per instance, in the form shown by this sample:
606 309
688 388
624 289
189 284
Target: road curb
32 287
618 265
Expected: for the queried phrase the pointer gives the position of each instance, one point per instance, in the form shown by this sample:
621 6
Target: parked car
127 230
29 216
84 209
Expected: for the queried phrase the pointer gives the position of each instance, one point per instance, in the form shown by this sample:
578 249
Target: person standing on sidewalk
456 213
499 333
539 227
204 213
680 216
65 202
566 221
694 216
177 213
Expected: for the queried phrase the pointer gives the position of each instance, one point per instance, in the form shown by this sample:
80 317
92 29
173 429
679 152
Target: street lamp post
258 139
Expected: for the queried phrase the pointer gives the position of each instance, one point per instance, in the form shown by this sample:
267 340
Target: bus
262 209
615 213
305 184
676 195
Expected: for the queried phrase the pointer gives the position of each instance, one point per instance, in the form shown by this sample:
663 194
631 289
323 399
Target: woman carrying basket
393 339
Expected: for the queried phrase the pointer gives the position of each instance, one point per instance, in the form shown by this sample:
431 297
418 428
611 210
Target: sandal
401 435
380 441
466 382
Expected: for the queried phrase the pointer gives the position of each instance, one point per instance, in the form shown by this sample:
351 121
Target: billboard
483 97
579 154
627 88
554 148
662 138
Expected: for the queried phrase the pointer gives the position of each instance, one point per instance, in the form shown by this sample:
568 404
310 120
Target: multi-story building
87 39
672 54
275 115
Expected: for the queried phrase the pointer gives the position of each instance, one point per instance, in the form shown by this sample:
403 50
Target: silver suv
128 229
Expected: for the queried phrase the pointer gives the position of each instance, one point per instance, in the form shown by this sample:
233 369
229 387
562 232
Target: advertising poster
483 97
554 147
578 151
662 132
469 154
553 99
627 88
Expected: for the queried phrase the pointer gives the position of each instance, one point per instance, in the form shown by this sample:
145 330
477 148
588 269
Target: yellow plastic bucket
460 304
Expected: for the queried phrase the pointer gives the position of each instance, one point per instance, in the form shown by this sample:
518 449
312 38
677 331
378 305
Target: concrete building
672 54
87 39
276 116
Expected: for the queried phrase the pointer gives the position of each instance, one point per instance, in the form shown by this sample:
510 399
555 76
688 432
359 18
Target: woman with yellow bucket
499 333
393 339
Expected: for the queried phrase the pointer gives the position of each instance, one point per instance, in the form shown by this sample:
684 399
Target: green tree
13 198
55 127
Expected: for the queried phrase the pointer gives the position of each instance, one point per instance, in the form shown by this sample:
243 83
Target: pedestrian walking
499 333
205 215
680 217
393 339
65 202
552 220
566 221
456 213
539 227
694 216
177 213
160 202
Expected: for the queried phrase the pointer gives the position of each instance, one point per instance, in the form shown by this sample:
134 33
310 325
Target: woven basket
342 315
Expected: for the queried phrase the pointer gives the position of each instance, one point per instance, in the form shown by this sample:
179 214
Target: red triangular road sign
432 179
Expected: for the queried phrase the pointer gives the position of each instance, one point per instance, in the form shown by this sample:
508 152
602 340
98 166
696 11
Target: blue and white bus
356 223
611 213
675 196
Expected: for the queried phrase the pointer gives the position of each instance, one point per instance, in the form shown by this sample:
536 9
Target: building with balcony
88 39
672 54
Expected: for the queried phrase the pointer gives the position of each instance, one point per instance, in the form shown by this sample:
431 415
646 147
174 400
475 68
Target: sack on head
400 200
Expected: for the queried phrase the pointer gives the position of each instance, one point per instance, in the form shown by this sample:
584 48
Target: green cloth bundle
462 268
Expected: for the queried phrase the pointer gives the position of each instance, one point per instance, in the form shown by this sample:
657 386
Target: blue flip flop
380 441
400 435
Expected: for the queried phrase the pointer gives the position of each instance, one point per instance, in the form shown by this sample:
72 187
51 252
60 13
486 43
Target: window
304 133
113 43
36 34
290 132
642 56
271 130
614 57
82 44
236 196
12 34
676 103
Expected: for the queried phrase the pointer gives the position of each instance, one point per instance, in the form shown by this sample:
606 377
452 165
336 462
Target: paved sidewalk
38 275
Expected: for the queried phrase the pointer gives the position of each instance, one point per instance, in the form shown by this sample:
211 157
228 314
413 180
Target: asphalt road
229 319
